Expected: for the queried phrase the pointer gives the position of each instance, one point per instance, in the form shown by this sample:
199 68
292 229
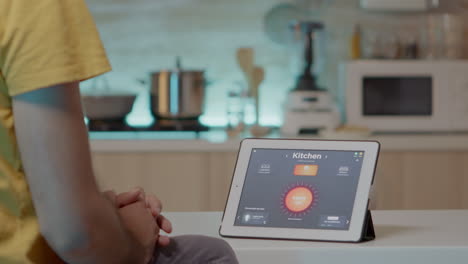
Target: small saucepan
105 104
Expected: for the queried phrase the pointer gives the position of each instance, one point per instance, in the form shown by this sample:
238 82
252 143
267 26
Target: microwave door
397 96
406 96
401 103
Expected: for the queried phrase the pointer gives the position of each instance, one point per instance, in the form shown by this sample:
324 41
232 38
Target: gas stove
118 125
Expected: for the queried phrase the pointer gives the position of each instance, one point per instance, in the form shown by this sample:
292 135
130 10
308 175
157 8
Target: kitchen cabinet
422 180
181 180
199 181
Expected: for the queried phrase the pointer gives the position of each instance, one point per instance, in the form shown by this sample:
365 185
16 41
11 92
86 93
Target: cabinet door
388 192
180 180
421 180
221 172
464 184
433 180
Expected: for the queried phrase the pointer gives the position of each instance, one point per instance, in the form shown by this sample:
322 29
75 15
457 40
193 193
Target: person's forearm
78 222
107 239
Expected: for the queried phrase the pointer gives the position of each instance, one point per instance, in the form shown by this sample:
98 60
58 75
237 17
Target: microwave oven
405 96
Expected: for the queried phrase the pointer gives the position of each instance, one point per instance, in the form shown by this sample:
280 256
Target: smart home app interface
300 189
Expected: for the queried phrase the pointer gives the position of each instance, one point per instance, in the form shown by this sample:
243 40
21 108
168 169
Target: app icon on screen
298 199
306 169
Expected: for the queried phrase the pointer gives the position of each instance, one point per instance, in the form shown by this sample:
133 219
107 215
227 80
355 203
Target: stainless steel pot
177 94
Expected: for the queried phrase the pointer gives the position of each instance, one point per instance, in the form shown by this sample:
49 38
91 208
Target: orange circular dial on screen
298 199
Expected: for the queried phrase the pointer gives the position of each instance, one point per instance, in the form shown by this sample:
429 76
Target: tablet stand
368 232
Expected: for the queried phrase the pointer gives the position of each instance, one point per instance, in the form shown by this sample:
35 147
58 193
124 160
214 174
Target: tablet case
368 232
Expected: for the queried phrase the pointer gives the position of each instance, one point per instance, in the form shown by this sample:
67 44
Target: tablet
300 189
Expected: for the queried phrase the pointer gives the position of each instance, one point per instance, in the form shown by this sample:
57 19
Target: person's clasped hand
137 210
155 206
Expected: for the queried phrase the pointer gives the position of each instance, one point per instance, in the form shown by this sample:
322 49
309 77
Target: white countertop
218 141
403 236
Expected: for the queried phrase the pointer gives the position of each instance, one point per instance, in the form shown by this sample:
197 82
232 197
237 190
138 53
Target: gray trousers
193 249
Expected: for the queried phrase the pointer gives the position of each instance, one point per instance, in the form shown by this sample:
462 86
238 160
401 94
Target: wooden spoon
258 75
245 57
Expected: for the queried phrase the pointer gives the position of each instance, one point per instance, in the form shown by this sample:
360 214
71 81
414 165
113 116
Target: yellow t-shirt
42 43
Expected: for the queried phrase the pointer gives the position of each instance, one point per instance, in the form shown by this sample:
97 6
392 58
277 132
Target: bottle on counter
355 43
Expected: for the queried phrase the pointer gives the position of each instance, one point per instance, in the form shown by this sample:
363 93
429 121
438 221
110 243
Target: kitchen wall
146 35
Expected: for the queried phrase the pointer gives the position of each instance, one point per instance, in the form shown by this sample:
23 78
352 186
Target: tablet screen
312 189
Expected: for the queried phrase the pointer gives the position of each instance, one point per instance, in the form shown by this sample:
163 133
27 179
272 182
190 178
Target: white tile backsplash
141 36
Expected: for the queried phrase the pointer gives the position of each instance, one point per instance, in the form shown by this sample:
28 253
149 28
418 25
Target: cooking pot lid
179 69
178 72
108 94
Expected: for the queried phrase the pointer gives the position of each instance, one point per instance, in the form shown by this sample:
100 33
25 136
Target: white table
417 237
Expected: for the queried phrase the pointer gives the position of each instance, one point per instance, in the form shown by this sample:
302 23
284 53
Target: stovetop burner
115 125
178 125
109 125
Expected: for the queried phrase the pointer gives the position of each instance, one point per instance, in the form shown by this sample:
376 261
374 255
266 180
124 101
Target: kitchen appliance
309 108
119 125
107 125
405 96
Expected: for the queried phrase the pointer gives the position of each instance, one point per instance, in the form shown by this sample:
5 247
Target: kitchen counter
402 236
218 141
